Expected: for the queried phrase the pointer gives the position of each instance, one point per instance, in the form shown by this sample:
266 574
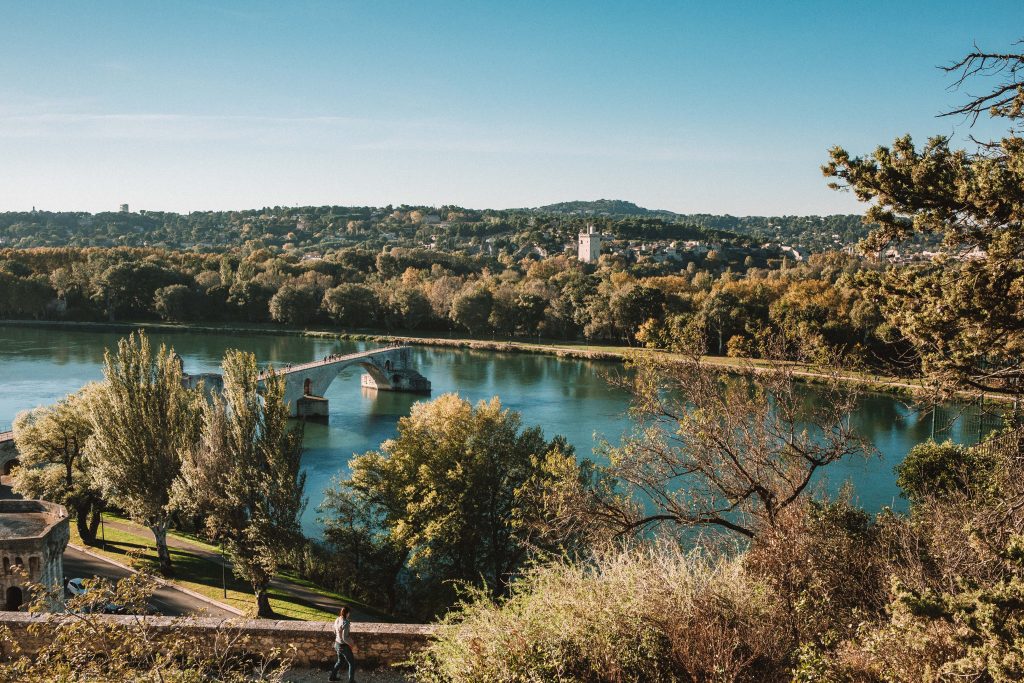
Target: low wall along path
311 642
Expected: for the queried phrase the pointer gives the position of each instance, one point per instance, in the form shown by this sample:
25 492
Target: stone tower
33 535
590 245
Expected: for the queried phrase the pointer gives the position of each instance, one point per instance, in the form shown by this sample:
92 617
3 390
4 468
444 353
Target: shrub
939 470
652 613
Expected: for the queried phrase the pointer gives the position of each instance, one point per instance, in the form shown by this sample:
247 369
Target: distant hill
815 233
598 207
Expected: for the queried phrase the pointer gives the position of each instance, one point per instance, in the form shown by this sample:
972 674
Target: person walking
344 646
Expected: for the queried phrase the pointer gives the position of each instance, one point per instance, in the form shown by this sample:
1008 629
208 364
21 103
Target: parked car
76 588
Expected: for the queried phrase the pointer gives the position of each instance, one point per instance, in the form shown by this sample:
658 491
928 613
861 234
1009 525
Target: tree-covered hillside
447 227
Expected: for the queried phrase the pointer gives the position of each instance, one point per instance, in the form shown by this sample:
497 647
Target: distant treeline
828 300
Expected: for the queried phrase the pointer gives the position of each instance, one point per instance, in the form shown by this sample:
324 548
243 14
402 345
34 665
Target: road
168 601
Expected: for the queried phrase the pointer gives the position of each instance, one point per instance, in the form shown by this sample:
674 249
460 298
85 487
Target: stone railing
311 643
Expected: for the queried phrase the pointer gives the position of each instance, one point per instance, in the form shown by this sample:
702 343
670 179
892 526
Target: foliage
86 645
243 475
644 614
53 457
443 493
964 311
144 420
933 470
503 288
351 305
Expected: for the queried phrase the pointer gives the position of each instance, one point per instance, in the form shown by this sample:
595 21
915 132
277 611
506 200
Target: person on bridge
344 646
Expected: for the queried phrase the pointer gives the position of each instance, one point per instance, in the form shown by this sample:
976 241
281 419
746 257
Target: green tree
351 305
365 559
144 419
963 311
251 299
294 303
633 305
408 308
245 474
471 308
940 469
444 490
174 302
54 461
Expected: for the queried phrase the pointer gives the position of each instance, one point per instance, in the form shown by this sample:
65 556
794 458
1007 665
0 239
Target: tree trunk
94 520
162 553
263 609
82 520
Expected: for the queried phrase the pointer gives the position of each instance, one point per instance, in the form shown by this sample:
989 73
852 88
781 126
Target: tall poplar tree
245 474
144 418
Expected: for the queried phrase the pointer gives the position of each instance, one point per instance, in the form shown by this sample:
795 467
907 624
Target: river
563 396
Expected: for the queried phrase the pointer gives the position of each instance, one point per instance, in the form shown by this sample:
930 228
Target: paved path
362 675
311 598
166 599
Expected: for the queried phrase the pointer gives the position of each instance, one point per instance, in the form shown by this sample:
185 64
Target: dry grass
653 614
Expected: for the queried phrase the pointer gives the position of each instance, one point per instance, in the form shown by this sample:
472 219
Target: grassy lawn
199 574
286 574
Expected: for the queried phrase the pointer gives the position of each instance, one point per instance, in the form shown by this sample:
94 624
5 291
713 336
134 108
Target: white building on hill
590 245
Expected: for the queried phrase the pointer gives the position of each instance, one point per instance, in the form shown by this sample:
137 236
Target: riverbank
909 388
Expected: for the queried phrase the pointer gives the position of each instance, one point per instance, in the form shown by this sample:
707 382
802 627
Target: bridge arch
389 368
384 369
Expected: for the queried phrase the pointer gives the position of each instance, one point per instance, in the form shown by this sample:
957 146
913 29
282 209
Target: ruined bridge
8 452
387 369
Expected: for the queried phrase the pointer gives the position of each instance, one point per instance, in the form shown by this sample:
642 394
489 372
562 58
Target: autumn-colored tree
444 491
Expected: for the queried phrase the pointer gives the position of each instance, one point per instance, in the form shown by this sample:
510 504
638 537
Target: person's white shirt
341 631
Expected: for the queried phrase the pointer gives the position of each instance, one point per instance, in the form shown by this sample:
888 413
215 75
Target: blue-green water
568 397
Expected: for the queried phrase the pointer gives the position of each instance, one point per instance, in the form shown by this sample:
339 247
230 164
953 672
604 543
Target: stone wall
313 642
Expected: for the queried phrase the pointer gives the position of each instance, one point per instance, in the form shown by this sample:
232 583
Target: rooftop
28 518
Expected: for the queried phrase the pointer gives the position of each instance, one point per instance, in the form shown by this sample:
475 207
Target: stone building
589 245
33 536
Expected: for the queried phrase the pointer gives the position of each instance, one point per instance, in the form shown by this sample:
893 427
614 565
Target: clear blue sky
719 107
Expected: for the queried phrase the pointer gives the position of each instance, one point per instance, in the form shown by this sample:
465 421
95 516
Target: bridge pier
407 380
312 408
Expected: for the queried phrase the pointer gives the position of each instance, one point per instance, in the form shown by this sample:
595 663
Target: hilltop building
124 208
590 245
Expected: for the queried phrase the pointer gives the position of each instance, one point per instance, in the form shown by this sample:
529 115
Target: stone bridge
8 452
387 369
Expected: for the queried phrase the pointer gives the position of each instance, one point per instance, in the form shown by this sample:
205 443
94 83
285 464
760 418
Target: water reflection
568 397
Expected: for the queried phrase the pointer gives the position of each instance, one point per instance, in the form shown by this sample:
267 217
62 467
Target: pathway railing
329 360
1009 443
